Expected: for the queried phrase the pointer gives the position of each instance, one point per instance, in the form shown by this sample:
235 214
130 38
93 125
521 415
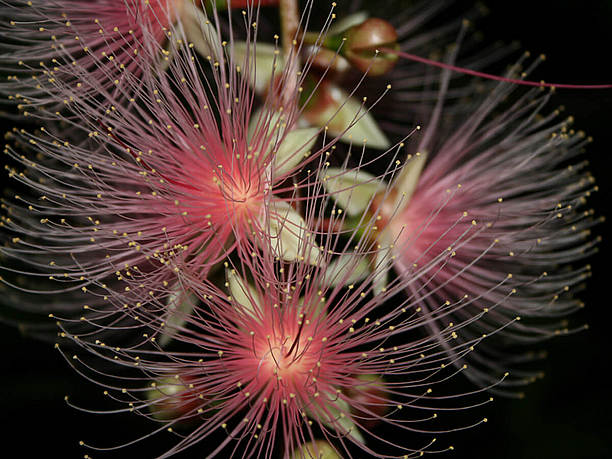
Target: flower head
486 219
170 177
279 359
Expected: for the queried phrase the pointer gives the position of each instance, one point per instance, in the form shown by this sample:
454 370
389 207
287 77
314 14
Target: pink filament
489 76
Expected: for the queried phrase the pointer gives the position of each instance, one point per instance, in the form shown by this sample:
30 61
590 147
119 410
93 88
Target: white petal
200 31
166 58
353 190
347 269
382 265
295 146
243 293
265 124
407 181
312 448
289 238
179 306
343 112
264 61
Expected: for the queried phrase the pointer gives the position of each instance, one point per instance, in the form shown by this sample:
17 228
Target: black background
567 414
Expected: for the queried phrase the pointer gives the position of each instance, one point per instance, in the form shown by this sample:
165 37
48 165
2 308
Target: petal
263 62
334 413
179 306
242 293
263 123
348 22
347 269
319 449
295 146
289 238
407 180
353 190
200 31
382 265
345 117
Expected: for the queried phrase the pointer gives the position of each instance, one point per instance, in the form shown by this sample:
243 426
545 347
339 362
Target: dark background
567 414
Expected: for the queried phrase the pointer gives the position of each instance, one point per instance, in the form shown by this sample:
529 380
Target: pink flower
170 178
485 219
277 358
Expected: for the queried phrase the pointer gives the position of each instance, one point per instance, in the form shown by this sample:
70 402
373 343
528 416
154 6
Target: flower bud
172 399
363 42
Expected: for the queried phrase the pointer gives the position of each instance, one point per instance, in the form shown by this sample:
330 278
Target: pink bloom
491 225
171 178
277 359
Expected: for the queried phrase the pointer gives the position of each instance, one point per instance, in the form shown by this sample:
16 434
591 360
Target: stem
290 24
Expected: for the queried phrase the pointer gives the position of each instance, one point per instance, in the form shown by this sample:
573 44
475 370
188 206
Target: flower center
288 360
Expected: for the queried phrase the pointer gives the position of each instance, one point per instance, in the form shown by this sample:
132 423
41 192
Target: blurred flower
109 42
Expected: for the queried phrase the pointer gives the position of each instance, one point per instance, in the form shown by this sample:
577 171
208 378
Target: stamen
489 76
